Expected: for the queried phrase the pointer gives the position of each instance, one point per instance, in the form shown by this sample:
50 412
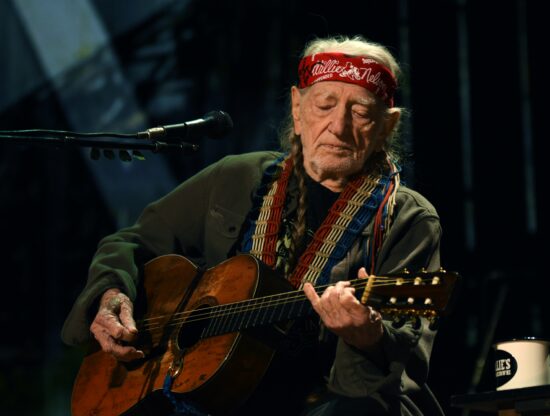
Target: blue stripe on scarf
363 216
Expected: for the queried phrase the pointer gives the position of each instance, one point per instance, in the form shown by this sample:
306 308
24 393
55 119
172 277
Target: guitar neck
257 312
424 294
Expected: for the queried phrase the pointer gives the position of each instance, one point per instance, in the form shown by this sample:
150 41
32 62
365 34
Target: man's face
340 126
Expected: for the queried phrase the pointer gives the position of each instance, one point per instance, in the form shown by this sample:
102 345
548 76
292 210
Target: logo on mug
506 367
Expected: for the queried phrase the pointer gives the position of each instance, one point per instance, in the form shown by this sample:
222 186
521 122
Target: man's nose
340 121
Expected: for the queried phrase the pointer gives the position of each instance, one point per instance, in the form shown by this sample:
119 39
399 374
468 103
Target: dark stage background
475 83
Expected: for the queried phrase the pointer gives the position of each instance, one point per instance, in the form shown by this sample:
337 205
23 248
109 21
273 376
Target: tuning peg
398 321
109 154
416 322
124 156
95 154
138 155
434 323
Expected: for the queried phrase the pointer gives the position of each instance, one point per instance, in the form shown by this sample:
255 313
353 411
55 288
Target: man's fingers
120 352
125 352
127 321
126 316
116 314
114 323
314 298
125 312
341 294
108 321
103 338
310 293
332 297
362 273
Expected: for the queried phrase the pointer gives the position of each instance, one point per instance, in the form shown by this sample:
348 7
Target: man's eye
361 114
324 107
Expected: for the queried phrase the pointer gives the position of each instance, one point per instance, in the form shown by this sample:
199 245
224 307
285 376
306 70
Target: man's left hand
341 312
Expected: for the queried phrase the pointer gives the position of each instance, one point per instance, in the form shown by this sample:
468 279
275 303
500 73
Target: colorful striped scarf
365 197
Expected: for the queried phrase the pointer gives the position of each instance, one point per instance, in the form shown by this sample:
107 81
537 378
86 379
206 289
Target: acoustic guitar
210 329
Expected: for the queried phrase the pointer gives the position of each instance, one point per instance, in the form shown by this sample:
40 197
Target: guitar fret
267 311
253 312
228 318
222 320
238 317
249 308
212 322
239 321
268 314
282 306
262 312
301 308
241 316
291 309
215 317
258 318
231 323
207 331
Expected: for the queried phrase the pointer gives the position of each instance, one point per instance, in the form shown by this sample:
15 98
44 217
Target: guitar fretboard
256 313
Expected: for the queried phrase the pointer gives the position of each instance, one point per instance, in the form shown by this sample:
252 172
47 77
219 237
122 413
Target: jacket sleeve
173 224
402 362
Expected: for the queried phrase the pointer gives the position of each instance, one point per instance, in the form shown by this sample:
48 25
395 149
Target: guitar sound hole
192 329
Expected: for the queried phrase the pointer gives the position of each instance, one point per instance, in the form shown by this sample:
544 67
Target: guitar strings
272 300
235 308
243 306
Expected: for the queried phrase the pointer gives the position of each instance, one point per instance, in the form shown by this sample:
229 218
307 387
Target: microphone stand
98 141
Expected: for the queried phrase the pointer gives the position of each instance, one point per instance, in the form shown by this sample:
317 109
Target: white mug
522 363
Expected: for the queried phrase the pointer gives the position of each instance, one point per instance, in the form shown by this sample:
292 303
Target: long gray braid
298 233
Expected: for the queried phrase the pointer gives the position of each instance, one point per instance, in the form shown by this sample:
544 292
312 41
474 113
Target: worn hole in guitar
194 327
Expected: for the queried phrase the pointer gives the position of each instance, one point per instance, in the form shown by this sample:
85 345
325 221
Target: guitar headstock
404 296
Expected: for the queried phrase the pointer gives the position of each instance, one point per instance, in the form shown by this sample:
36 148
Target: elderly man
328 209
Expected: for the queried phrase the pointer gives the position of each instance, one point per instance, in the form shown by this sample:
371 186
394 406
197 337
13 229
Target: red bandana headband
359 70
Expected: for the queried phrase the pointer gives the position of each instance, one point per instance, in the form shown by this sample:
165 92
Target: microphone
214 124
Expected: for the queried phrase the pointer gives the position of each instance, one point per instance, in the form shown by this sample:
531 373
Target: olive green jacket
202 218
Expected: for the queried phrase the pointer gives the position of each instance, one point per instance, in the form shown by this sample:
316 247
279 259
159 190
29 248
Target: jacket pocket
225 221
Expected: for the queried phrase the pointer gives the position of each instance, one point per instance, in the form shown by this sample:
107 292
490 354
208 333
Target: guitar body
215 333
218 372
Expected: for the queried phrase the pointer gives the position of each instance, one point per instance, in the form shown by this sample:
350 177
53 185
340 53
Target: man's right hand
114 323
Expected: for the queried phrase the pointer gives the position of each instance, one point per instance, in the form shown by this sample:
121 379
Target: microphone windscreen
220 124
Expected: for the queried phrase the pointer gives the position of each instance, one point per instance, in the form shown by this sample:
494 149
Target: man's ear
391 118
296 98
